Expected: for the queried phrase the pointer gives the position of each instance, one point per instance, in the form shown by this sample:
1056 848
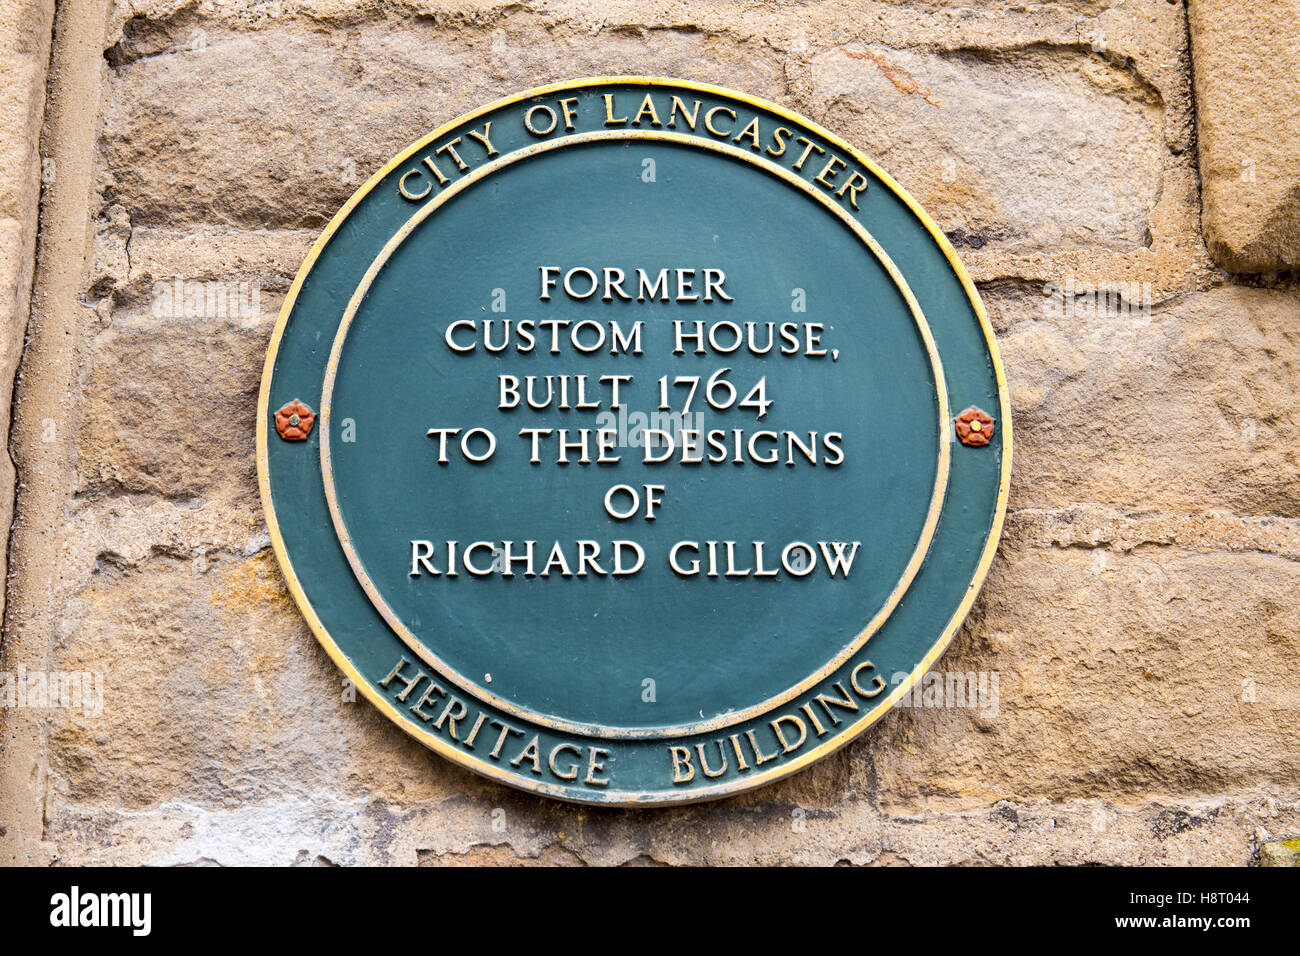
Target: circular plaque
633 441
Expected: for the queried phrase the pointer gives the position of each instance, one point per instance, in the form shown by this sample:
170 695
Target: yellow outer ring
654 798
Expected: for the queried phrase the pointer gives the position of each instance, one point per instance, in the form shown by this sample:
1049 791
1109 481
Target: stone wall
1141 615
24 55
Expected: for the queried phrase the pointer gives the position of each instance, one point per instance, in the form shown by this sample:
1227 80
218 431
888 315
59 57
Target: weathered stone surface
24 57
198 253
168 409
1280 853
1247 72
1092 526
1121 673
320 110
1022 149
1188 408
359 89
326 831
204 701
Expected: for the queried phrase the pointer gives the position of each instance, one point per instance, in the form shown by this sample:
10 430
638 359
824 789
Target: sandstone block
1018 149
1187 407
1246 59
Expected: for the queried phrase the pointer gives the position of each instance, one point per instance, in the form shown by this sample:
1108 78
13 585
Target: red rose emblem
294 421
974 427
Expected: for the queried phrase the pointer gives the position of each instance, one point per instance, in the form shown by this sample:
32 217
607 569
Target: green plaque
633 441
